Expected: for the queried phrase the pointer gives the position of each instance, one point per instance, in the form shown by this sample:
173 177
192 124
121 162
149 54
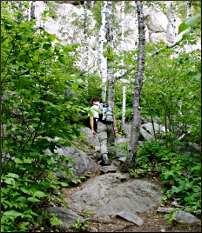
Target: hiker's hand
115 130
93 132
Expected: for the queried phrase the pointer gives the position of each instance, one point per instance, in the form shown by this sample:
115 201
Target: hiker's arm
92 125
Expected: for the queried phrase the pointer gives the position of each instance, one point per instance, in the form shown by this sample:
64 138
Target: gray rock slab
164 210
122 140
186 218
111 193
89 137
107 169
67 216
131 217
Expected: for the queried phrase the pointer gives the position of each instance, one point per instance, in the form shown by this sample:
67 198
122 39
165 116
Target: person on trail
102 125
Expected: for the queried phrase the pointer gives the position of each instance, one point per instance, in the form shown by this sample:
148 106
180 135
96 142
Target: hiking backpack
106 115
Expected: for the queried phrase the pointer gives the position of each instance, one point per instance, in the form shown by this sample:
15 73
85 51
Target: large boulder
157 37
90 139
109 194
83 165
156 20
146 130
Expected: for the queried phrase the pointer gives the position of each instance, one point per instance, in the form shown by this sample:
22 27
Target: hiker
102 125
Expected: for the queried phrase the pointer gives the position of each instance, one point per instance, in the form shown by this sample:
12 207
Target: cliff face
68 25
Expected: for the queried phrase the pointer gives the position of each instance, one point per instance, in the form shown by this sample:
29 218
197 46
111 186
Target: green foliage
80 225
179 173
191 22
171 93
36 117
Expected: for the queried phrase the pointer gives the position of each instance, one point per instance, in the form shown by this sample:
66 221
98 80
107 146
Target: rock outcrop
109 194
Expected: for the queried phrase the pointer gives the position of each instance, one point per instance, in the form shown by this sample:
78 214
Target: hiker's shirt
104 131
95 111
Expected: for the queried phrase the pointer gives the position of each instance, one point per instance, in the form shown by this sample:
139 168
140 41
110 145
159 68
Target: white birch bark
171 22
122 64
85 38
135 128
32 10
189 9
101 59
29 11
110 44
85 43
123 106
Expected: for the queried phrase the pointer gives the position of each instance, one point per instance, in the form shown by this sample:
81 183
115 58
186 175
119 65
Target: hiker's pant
106 137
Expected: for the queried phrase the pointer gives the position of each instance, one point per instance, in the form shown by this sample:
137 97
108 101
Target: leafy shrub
179 173
36 117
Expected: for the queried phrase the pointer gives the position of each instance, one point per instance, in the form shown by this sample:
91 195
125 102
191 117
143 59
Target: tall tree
110 46
188 8
172 22
135 128
101 58
122 64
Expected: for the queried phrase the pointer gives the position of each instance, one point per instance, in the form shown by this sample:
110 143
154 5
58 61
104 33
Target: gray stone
131 217
107 169
186 218
156 21
165 210
67 216
146 130
146 135
91 140
157 37
83 165
92 229
121 140
109 194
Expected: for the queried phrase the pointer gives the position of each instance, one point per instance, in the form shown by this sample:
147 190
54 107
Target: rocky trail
111 201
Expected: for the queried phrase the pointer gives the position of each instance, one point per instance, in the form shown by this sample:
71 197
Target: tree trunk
102 60
32 10
172 22
123 107
135 128
85 43
189 8
122 64
110 47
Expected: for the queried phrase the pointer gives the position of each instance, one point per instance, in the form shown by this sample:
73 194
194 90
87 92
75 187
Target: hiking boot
104 159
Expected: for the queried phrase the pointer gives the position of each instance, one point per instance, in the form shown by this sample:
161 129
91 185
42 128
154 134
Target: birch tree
188 9
102 61
110 46
135 128
85 42
122 64
172 22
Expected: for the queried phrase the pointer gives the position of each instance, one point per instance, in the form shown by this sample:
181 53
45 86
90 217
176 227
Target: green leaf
33 199
9 181
190 22
39 194
12 175
63 184
24 190
54 221
18 161
11 214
